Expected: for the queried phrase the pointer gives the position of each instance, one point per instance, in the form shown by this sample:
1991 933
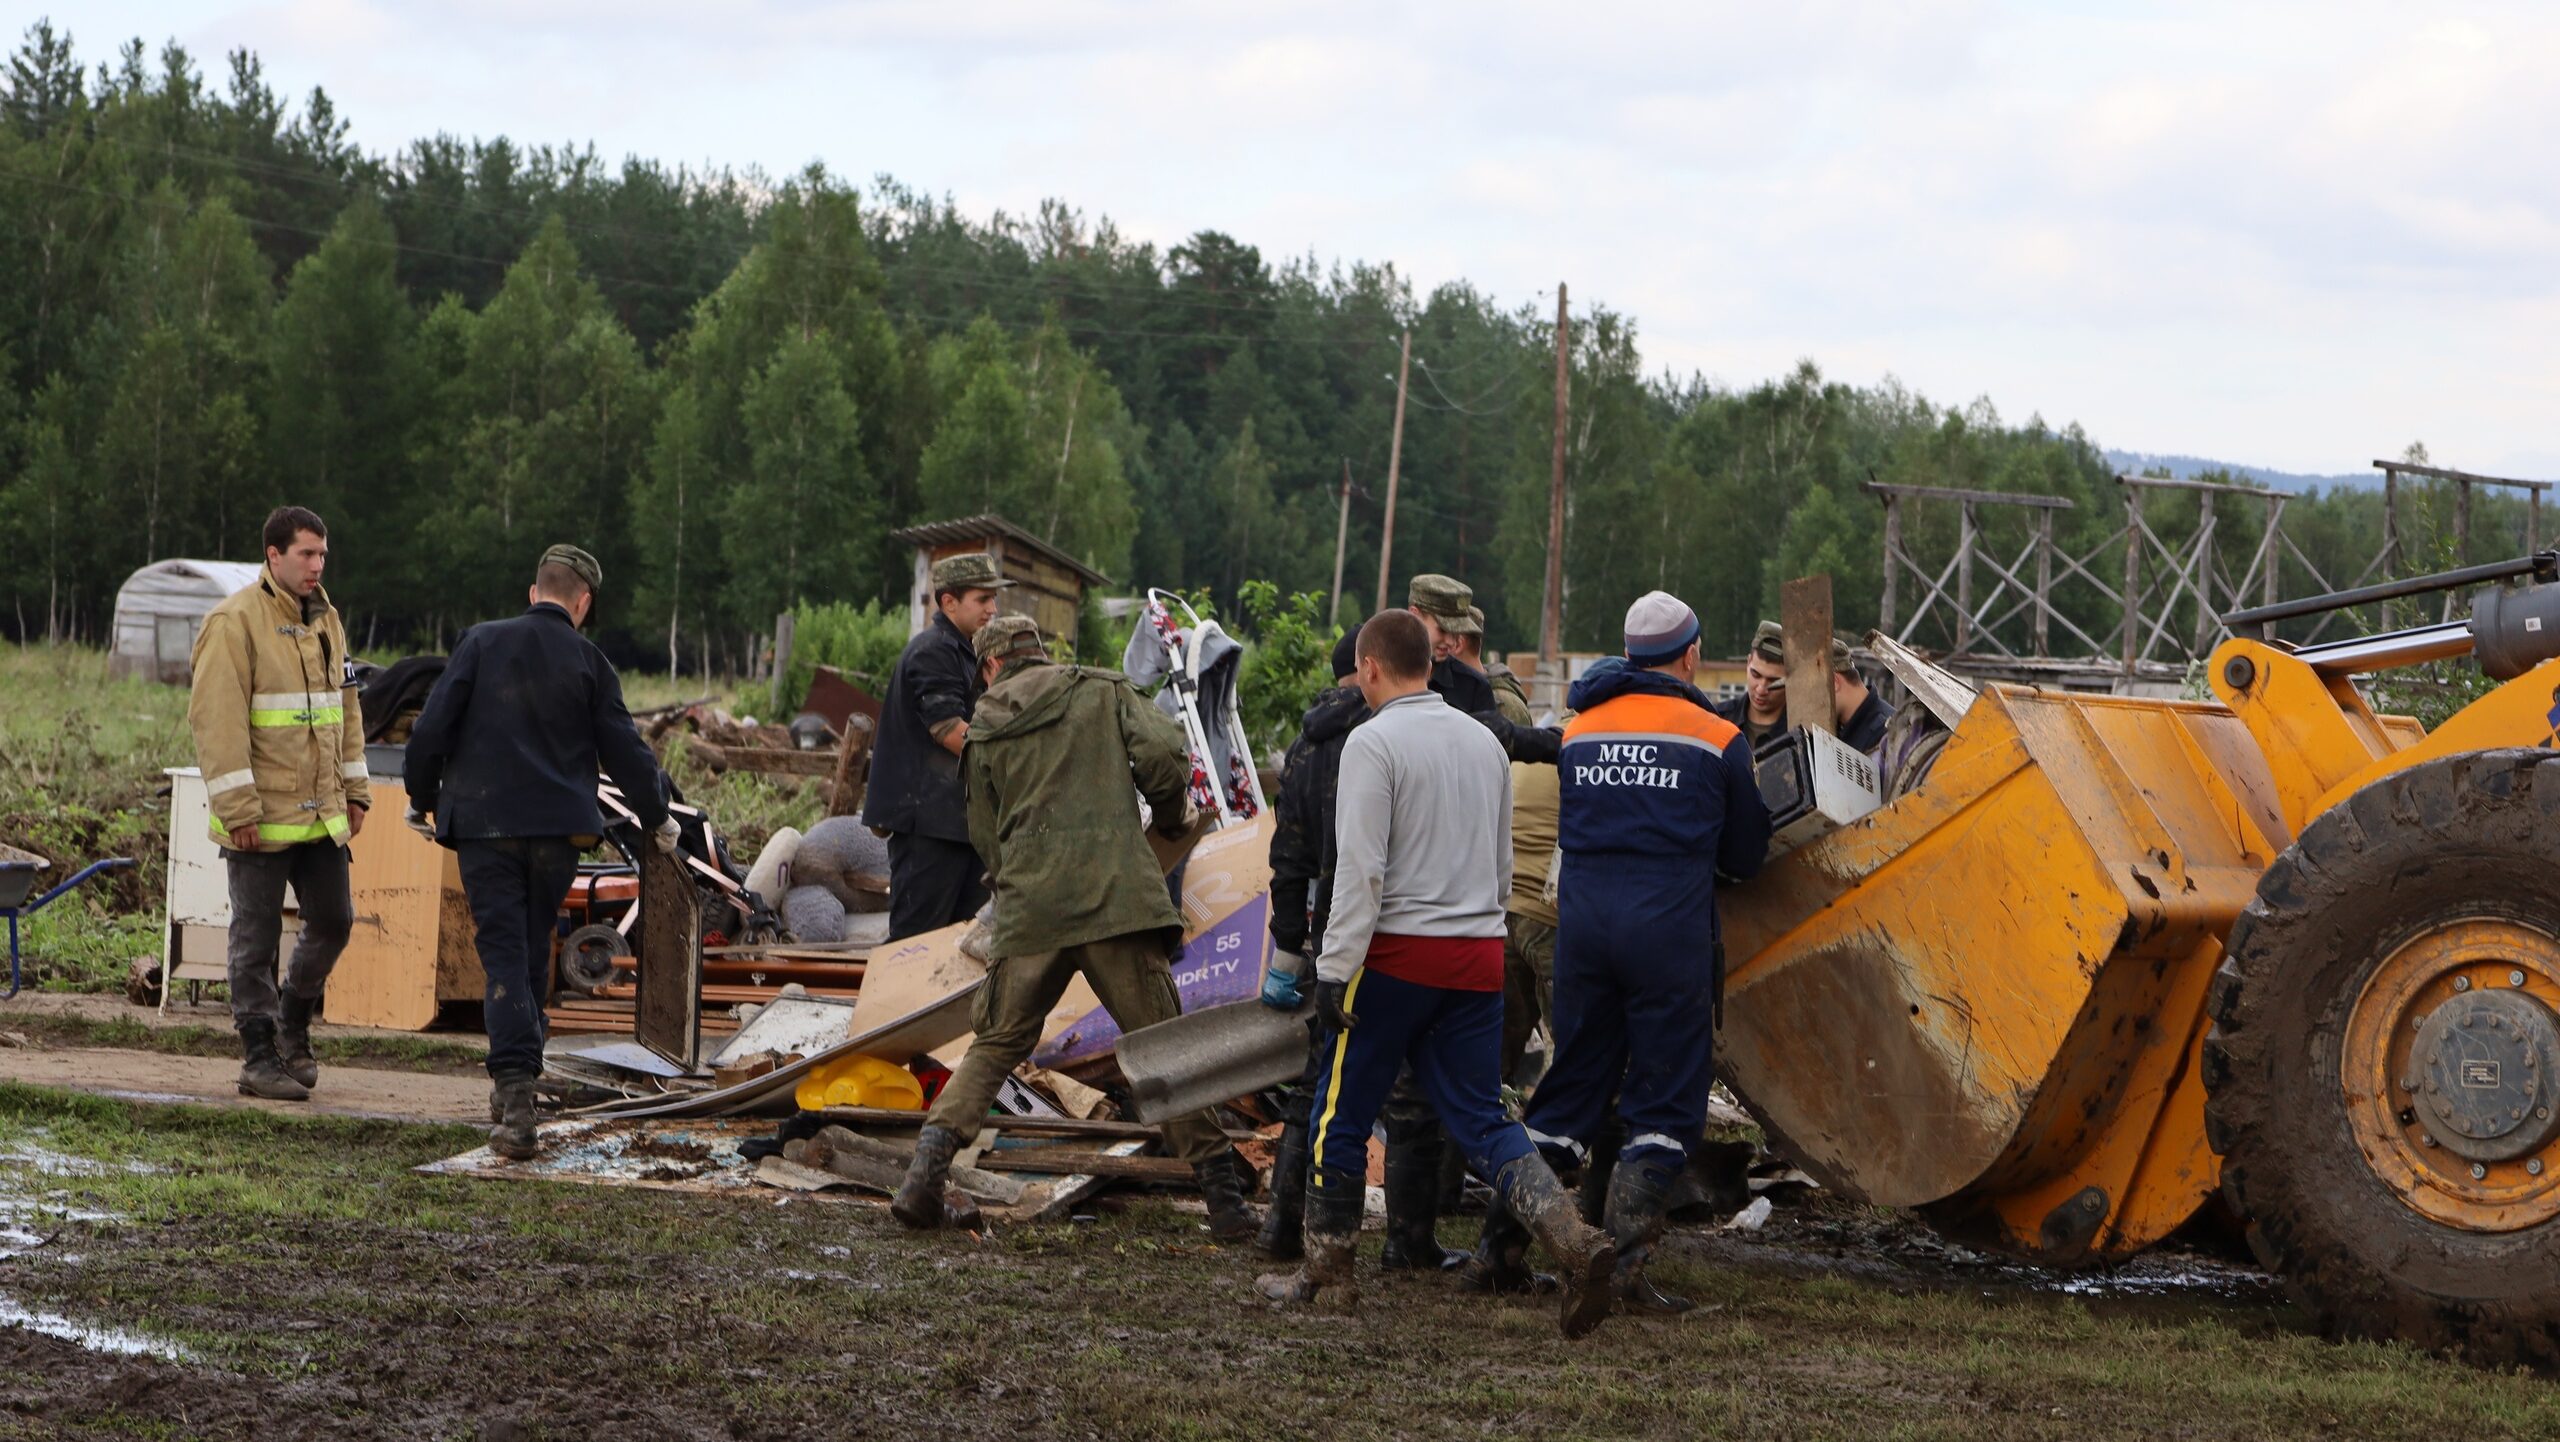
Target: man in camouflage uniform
1053 755
1509 696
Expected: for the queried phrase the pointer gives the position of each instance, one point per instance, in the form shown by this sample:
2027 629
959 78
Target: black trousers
932 883
317 872
515 886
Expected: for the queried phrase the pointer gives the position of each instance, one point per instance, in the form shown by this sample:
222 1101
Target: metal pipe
2542 565
2390 649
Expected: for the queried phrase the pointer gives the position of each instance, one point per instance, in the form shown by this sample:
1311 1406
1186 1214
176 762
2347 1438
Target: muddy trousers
515 887
317 872
933 883
1131 974
1453 1040
1634 1015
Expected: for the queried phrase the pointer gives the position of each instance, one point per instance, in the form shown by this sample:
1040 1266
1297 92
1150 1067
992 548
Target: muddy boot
1639 1198
1500 1263
1222 1187
918 1203
293 1042
262 1073
513 1136
1281 1223
1413 1200
1585 1257
1328 1277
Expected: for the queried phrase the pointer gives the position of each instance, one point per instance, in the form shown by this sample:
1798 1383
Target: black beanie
1346 653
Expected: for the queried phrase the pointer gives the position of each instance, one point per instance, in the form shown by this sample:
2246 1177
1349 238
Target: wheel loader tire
2450 843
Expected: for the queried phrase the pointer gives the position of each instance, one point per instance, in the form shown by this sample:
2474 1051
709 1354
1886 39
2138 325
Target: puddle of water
21 1216
96 1339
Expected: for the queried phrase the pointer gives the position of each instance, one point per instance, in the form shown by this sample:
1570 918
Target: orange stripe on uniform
1645 713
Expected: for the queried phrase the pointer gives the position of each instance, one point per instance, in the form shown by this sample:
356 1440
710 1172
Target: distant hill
2187 467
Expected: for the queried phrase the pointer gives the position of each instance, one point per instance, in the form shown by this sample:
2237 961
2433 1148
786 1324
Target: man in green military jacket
1057 759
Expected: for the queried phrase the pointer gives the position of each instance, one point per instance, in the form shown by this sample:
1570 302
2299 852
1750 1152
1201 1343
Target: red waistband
1458 963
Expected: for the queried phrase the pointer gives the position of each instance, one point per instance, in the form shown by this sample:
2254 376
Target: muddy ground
295 1279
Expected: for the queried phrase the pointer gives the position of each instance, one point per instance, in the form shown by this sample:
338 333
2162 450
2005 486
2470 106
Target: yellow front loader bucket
1987 999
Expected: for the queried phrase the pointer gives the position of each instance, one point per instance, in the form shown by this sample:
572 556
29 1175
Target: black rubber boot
1639 1198
918 1203
514 1136
1281 1238
293 1041
1414 1152
262 1073
1586 1259
1500 1263
1222 1187
1329 1277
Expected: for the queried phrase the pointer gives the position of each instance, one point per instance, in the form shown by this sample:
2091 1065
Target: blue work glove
1284 984
1330 996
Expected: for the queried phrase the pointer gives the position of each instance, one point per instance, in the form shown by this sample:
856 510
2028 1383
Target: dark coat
512 736
915 783
1865 730
1302 837
1058 757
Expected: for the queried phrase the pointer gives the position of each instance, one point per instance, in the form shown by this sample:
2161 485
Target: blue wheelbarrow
19 871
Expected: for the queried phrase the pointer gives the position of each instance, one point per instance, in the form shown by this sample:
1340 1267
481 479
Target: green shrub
1289 658
862 641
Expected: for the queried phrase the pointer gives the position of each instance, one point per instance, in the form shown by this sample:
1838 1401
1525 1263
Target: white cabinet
198 930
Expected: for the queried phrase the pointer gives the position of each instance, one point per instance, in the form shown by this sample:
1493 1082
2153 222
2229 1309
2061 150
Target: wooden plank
1804 609
387 975
2438 473
1063 1161
1950 493
669 1004
2166 483
1096 1129
775 760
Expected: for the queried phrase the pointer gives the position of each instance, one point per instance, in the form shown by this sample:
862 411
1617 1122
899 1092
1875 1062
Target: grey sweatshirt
1422 825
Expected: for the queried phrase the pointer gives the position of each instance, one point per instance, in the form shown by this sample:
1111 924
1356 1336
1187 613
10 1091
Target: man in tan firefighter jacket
281 744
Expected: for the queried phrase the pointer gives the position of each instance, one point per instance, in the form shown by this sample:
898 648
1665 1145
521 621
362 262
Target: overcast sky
2297 236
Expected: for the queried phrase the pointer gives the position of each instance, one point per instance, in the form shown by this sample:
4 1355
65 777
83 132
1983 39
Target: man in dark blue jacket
915 797
505 756
1656 797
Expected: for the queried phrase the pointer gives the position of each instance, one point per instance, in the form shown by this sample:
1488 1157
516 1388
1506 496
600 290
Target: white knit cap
1659 627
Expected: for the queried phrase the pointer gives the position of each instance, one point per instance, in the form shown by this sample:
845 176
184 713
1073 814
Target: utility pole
1550 631
1395 461
1341 541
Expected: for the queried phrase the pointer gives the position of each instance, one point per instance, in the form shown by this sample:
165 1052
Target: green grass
308 1265
80 764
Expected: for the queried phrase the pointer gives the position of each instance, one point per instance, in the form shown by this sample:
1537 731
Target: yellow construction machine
2113 956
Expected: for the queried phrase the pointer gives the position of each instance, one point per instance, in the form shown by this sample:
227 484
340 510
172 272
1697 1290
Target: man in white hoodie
1412 971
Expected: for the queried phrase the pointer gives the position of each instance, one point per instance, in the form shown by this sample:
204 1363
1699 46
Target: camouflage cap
1446 600
1840 661
1007 636
576 560
973 571
1769 643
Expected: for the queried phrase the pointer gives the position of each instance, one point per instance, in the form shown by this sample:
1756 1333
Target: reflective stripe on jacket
278 733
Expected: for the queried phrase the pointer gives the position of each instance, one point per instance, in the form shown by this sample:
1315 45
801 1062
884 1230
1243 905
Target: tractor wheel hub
2486 1064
